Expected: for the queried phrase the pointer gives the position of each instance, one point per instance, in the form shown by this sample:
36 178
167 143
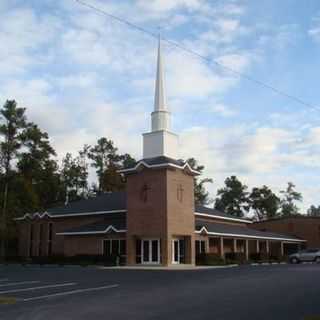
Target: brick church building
155 221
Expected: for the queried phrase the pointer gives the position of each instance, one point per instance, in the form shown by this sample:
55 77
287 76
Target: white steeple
160 141
160 97
160 116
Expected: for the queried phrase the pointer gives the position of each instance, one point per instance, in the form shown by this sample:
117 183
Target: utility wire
202 57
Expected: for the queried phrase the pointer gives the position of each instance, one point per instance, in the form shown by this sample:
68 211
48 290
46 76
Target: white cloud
189 77
22 34
236 62
168 5
222 110
314 31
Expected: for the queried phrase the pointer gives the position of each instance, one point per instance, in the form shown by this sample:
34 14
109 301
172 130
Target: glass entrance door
178 251
175 251
150 251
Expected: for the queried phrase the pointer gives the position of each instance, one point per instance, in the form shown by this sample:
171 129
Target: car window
312 250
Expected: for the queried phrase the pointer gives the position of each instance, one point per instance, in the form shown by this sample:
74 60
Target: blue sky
83 76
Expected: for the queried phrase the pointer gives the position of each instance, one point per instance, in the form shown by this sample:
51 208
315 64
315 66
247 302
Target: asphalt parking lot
245 292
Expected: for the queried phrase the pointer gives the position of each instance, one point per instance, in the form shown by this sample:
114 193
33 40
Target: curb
268 263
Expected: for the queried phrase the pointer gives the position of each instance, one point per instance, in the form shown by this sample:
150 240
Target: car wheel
294 260
317 260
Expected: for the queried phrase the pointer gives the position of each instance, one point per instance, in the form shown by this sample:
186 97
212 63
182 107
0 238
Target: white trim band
221 217
46 214
246 236
162 165
76 233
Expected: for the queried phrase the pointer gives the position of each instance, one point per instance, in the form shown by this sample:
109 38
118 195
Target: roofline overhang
157 166
46 214
223 234
222 218
76 233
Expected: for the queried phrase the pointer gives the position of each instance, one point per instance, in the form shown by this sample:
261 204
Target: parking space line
1 280
18 283
39 288
66 293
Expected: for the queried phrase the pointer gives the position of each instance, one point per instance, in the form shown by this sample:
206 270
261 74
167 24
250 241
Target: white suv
307 255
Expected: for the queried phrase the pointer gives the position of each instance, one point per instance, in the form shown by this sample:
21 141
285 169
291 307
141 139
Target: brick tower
160 193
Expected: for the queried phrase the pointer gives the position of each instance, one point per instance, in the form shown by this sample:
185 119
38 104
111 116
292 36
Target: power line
198 55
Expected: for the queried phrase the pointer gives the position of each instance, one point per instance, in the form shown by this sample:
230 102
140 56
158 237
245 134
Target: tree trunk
4 223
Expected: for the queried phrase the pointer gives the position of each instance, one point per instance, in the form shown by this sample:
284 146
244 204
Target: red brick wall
304 228
162 215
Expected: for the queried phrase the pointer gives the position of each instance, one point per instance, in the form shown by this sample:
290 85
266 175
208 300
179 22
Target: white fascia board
32 216
222 218
90 232
247 236
186 165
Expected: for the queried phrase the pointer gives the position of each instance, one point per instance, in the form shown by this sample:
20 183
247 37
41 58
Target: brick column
267 246
221 248
257 246
247 249
234 245
282 249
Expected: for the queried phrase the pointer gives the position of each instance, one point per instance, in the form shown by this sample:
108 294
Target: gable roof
160 162
101 204
221 229
214 213
108 203
104 202
112 223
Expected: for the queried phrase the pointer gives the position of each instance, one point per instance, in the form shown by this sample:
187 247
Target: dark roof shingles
104 202
118 221
215 212
239 230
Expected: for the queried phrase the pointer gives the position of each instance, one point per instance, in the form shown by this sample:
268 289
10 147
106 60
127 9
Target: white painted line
42 287
1 280
17 283
69 293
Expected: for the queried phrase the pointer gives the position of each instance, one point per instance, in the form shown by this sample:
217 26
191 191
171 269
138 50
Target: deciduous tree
13 122
233 198
201 195
289 199
264 203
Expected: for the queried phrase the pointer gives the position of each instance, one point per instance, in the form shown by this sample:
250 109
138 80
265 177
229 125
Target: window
50 239
40 239
31 241
138 251
114 247
200 246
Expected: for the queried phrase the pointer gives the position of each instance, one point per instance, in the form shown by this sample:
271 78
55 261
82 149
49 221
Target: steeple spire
160 141
160 97
160 117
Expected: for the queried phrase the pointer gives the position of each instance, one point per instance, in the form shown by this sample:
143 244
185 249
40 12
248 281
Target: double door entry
150 251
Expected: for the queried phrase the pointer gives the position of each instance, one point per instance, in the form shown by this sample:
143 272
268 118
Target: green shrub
235 257
209 259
